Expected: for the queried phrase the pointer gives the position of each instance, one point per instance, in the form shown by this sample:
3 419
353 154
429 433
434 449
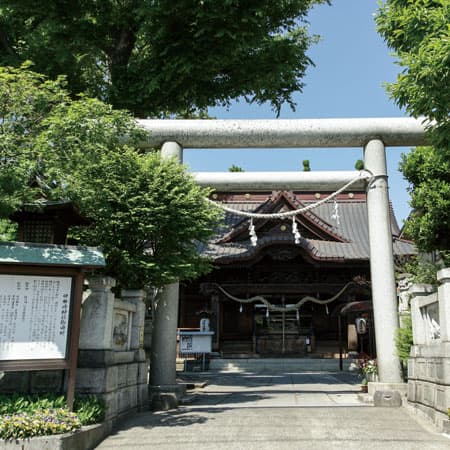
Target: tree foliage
26 99
419 33
404 339
148 214
235 168
162 57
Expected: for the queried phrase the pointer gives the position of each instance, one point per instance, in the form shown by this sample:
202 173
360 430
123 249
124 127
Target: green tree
163 57
306 165
148 214
26 99
234 168
359 164
419 33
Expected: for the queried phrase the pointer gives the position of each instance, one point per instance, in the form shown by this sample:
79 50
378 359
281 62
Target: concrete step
273 364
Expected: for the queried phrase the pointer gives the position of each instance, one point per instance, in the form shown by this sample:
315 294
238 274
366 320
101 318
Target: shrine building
289 286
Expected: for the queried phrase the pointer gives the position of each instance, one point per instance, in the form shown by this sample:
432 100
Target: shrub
403 342
23 416
41 422
89 410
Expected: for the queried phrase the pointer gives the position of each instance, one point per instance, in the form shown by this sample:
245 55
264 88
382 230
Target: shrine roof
352 242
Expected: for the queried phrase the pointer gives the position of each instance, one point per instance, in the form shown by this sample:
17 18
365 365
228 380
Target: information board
34 316
195 341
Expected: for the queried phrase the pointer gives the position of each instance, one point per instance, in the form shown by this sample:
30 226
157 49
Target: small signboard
195 342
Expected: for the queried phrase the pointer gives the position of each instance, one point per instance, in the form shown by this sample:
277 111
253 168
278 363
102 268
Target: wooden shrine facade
331 257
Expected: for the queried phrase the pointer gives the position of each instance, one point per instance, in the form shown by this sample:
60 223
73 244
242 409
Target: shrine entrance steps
277 364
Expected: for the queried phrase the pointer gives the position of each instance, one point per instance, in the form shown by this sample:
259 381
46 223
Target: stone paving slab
277 411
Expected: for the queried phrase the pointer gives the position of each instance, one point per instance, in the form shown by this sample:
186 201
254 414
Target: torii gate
370 134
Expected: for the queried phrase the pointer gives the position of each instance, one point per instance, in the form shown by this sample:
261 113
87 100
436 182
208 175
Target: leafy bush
89 410
42 422
424 270
404 339
23 416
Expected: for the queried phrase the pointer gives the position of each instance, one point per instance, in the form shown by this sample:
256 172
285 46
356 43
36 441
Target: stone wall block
421 369
446 371
124 357
419 393
139 355
411 391
46 381
127 399
12 382
132 374
142 396
121 375
428 394
411 369
98 380
95 358
443 277
111 404
97 315
447 398
441 404
133 395
143 373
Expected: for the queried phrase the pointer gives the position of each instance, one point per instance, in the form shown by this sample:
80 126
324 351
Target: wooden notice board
40 305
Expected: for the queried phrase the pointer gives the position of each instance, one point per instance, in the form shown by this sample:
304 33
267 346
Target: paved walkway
276 411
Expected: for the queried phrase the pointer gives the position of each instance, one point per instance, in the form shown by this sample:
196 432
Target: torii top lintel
281 133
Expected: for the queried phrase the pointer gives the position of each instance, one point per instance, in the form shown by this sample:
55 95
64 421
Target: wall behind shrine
429 363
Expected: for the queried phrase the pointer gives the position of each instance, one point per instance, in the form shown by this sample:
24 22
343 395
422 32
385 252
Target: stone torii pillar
164 391
384 295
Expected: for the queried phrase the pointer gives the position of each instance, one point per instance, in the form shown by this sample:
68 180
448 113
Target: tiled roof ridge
295 203
268 241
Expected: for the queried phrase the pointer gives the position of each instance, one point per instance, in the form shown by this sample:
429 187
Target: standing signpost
41 289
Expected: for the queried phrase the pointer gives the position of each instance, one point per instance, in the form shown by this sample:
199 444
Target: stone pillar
417 293
164 391
164 340
137 296
443 277
96 326
384 296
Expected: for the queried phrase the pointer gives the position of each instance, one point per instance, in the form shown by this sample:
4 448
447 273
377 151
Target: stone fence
429 363
111 359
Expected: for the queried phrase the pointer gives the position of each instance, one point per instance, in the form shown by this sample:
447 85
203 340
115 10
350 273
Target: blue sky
352 63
